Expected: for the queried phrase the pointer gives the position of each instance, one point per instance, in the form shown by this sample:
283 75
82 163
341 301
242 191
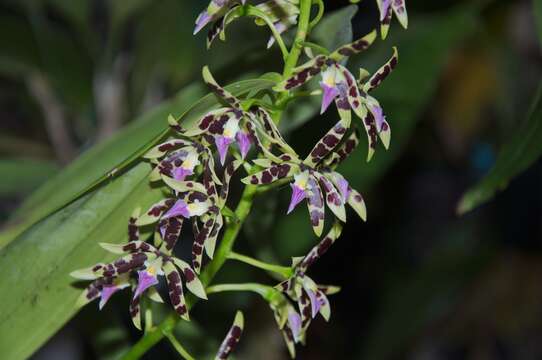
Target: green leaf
20 176
522 150
114 155
39 297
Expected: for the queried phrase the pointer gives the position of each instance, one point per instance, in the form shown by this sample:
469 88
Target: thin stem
254 11
300 36
177 345
281 270
260 289
319 48
319 15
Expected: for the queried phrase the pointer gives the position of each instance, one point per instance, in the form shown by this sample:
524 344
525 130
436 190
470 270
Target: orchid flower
232 124
386 9
339 85
314 178
215 10
200 201
179 158
310 297
232 337
148 263
287 318
281 14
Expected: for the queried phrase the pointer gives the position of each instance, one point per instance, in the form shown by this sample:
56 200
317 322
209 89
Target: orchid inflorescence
196 164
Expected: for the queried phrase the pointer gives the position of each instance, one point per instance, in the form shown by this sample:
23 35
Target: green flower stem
319 15
300 36
316 47
260 289
177 345
254 11
284 271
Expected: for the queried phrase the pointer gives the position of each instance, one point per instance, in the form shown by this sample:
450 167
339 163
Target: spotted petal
321 248
175 287
218 29
154 213
123 265
160 150
303 74
220 91
184 186
232 337
354 47
381 74
135 311
333 198
130 247
170 230
355 200
326 144
212 122
271 174
315 204
192 282
343 151
399 8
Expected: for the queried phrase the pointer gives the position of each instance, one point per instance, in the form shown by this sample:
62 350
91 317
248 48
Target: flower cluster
195 166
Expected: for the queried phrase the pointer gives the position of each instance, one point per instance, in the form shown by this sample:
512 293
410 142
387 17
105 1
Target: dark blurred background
418 281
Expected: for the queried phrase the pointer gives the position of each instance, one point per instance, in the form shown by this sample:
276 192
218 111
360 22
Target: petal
271 174
193 284
315 304
106 293
303 74
333 199
382 73
294 322
170 229
399 8
383 6
220 91
321 248
232 337
199 243
154 213
378 114
203 19
180 208
355 200
343 151
354 47
145 281
135 311
326 144
222 145
298 195
175 290
329 94
315 204
243 140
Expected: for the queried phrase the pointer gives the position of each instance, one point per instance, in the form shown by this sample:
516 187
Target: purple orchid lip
179 208
106 293
222 144
315 303
181 173
243 140
385 7
294 320
145 281
298 195
379 116
329 94
203 19
344 189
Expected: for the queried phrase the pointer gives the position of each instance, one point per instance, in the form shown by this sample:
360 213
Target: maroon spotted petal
326 144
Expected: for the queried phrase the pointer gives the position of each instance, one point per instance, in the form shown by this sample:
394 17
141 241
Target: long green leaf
38 292
523 149
20 176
